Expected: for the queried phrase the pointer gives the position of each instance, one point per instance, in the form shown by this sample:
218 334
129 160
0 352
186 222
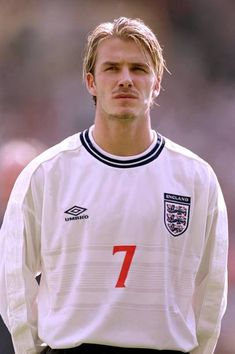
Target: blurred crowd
43 99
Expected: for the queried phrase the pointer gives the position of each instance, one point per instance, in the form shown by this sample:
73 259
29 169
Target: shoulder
180 153
183 152
45 160
189 163
67 145
191 167
71 143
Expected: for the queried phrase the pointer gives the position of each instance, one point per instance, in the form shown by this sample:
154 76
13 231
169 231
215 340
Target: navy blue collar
119 162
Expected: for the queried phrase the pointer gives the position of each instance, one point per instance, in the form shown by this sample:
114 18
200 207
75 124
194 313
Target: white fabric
172 293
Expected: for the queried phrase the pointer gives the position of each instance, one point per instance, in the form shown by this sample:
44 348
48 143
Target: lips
125 95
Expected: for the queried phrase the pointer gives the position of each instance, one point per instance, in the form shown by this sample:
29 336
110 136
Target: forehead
120 50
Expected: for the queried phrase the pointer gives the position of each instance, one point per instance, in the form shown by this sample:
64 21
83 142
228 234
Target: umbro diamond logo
76 212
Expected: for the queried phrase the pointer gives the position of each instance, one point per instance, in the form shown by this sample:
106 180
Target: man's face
123 81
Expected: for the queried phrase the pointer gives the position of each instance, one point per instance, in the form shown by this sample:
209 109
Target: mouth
125 96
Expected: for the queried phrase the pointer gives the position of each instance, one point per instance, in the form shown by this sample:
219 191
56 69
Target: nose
125 80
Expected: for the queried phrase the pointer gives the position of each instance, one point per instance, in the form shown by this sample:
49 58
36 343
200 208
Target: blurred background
43 99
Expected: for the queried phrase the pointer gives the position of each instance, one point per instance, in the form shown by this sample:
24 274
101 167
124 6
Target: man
128 229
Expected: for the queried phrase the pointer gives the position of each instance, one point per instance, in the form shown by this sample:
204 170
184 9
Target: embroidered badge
176 213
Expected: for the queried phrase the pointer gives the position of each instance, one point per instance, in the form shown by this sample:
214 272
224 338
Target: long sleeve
210 296
20 261
19 265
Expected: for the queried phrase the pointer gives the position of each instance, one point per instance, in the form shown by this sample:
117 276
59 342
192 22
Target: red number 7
130 250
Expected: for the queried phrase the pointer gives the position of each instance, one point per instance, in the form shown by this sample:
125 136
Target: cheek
149 90
146 86
105 91
103 94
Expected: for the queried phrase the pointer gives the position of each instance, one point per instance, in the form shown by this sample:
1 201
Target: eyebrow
114 63
109 63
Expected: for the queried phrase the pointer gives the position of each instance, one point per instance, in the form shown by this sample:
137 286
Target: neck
122 138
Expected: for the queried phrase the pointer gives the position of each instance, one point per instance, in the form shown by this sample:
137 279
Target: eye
111 68
140 69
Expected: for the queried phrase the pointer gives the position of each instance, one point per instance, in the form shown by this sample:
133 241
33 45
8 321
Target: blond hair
127 29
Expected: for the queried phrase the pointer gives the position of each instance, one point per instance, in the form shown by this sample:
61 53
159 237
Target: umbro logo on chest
76 213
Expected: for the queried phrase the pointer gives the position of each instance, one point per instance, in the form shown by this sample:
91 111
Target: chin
124 115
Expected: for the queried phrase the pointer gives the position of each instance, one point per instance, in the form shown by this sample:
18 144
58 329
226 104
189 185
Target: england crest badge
176 213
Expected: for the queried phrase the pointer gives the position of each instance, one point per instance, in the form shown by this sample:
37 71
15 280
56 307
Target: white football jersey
132 250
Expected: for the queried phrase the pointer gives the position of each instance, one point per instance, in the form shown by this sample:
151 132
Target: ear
157 87
90 84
